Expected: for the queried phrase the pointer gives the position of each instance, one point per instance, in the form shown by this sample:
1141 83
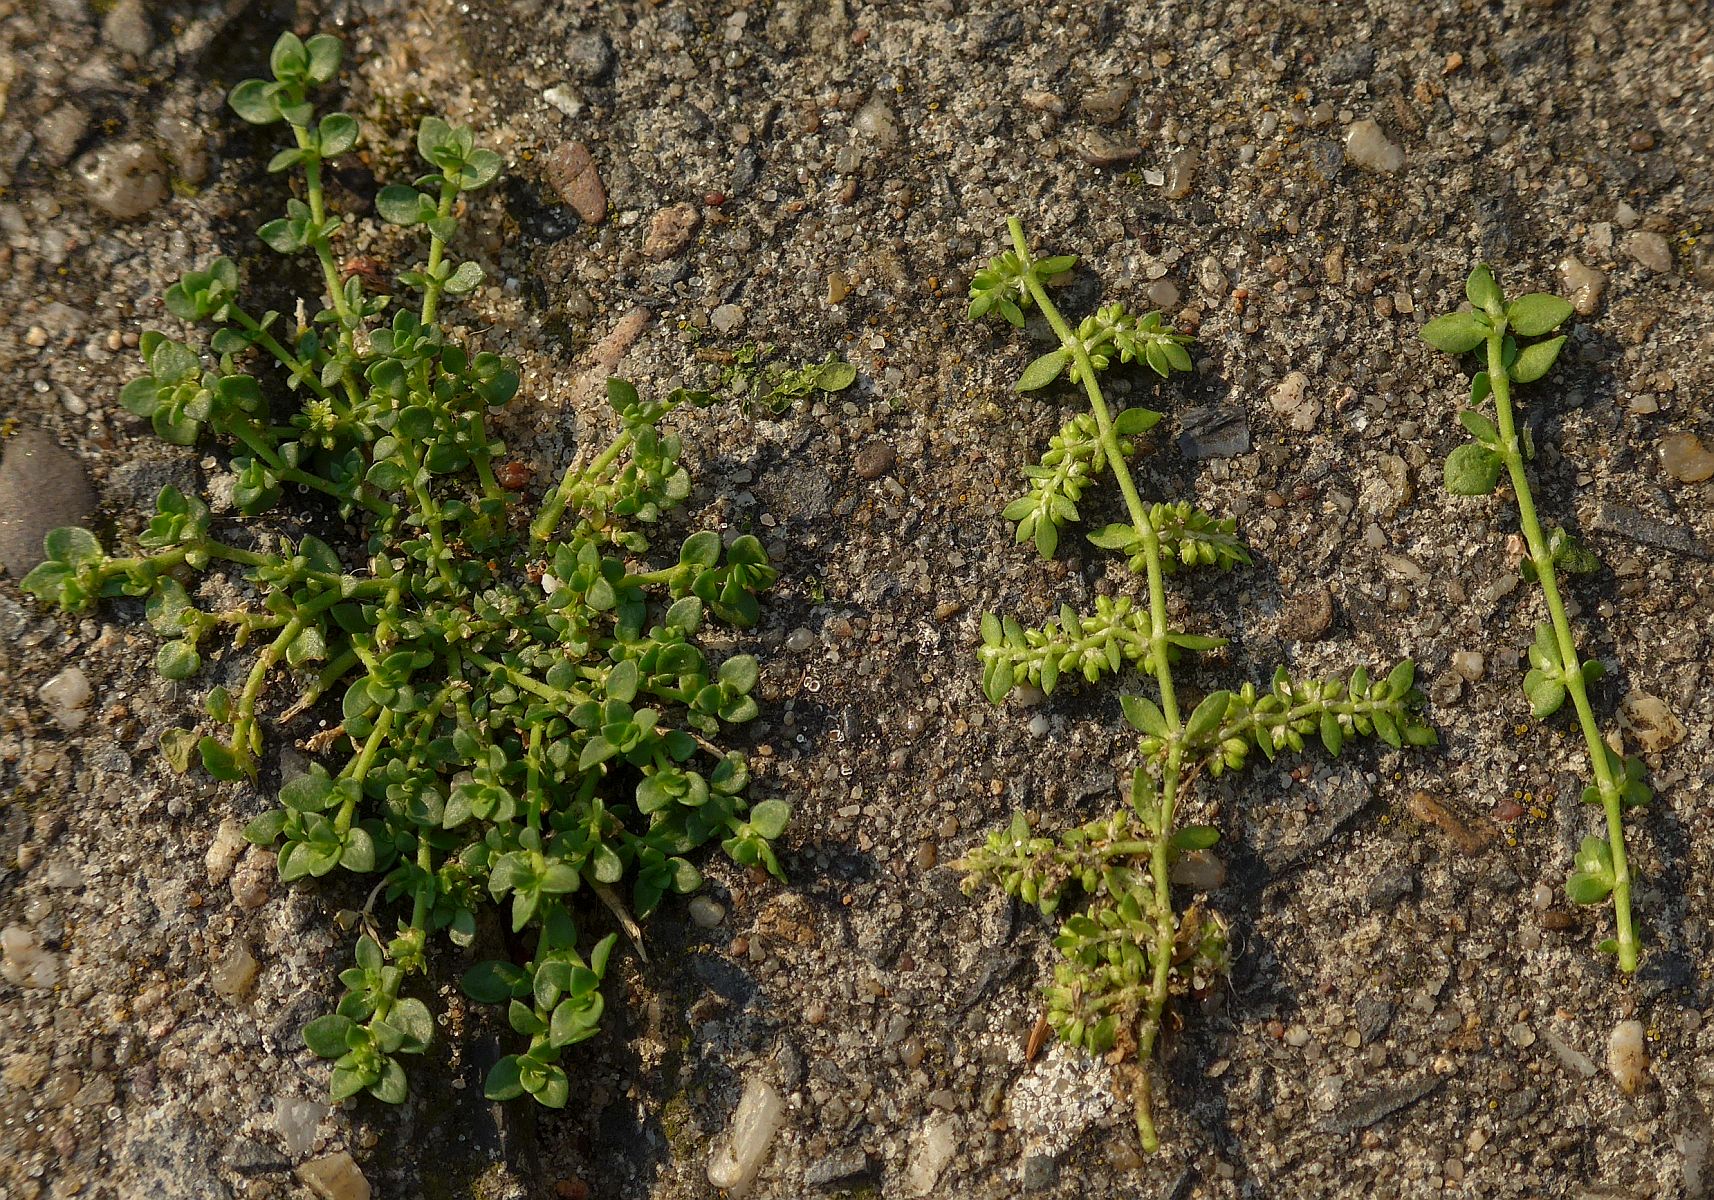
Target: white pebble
1470 664
707 912
931 1150
23 962
296 1119
1628 1057
735 1165
67 695
1367 147
726 318
876 122
124 180
234 973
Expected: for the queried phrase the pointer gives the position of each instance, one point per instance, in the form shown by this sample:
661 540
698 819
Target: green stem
1168 795
553 508
358 768
299 369
1542 559
245 718
433 287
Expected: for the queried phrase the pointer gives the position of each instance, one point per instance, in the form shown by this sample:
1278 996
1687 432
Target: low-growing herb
1125 949
1518 345
522 714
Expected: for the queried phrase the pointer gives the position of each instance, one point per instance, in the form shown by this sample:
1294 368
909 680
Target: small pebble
126 28
1099 150
758 1117
1650 722
1541 896
1685 458
1628 1057
335 1177
1294 404
726 318
25 962
234 973
1642 141
838 287
927 856
706 912
1366 146
799 640
1199 870
876 122
670 232
124 179
571 172
875 459
1307 615
588 56
1297 1036
67 697
1651 250
1180 174
1162 294
1583 284
1470 664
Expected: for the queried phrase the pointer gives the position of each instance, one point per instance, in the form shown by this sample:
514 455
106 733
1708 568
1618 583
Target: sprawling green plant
523 715
1125 950
1495 328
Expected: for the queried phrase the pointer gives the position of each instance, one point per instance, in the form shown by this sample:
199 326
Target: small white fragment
1628 1057
564 99
931 1149
25 963
706 912
67 696
223 851
1367 147
760 1112
296 1119
234 973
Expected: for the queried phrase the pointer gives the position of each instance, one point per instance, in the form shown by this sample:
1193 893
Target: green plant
524 714
752 377
1515 342
1125 951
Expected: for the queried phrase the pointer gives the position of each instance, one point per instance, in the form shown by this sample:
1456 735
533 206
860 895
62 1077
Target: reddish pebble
512 475
714 199
1507 810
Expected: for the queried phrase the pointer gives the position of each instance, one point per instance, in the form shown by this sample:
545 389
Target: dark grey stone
41 488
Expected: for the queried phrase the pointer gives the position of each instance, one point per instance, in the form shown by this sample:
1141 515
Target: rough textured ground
1414 1010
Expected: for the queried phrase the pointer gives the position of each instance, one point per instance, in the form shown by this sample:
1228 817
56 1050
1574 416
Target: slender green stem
1541 557
318 213
433 288
1162 952
299 369
553 508
245 718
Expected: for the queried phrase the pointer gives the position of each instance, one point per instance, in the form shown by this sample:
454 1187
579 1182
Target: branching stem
1167 796
1541 557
